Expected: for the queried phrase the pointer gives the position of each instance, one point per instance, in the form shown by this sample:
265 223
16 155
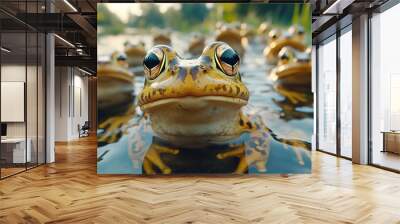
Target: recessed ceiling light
70 5
84 71
337 7
5 50
64 40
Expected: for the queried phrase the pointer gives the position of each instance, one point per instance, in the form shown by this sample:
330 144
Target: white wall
14 73
71 87
61 103
33 126
13 100
80 94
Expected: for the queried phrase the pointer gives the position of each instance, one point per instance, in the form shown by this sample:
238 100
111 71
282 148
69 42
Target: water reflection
260 151
296 104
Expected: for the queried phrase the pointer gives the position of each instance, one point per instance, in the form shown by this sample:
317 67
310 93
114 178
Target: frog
196 45
297 32
273 35
162 38
278 40
135 53
192 103
111 76
115 89
293 68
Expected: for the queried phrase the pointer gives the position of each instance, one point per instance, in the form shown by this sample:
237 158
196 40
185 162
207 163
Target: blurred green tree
151 17
242 10
202 18
306 21
229 14
194 13
296 14
306 17
278 13
110 23
173 18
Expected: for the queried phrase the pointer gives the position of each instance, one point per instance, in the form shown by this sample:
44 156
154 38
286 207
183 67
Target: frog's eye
227 60
285 55
121 57
274 35
300 30
296 30
153 63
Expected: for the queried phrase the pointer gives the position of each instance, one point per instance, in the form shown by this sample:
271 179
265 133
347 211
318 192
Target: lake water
287 112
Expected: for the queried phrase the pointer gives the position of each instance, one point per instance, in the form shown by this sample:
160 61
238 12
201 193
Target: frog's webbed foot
251 157
297 98
297 146
293 96
153 158
112 126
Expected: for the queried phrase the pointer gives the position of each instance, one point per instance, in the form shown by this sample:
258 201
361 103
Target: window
385 89
346 95
22 75
327 96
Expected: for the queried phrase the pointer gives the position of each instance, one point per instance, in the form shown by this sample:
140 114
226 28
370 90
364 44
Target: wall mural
199 88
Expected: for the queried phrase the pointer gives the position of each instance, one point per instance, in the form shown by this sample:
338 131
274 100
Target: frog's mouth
193 102
205 117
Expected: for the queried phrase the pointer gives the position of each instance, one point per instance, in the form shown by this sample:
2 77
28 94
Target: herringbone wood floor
70 191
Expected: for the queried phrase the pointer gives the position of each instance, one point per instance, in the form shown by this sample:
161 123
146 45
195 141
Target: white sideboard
18 147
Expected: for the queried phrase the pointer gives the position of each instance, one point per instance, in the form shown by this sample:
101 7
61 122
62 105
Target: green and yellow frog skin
198 102
277 41
294 68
